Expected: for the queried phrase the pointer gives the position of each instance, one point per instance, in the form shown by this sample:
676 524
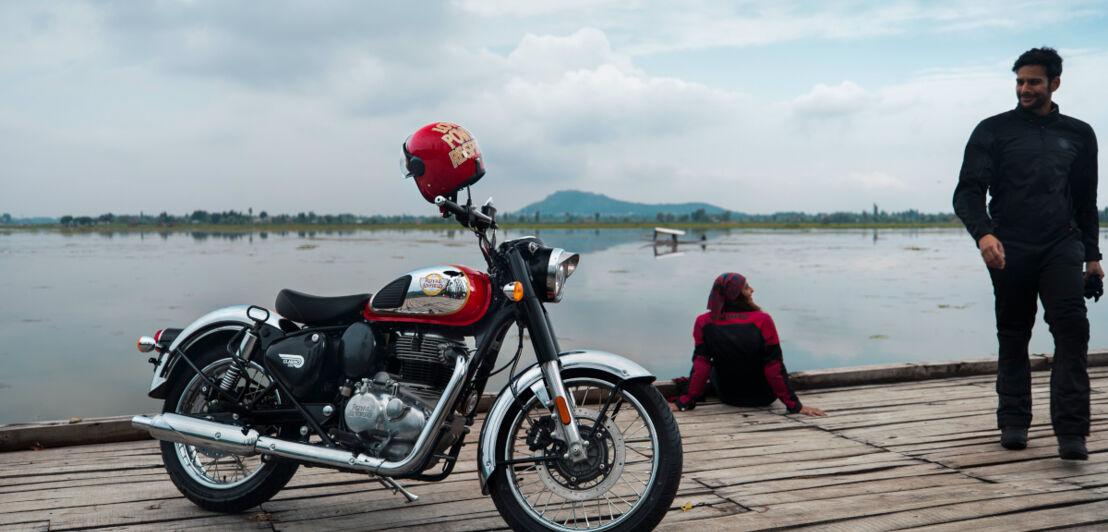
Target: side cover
620 368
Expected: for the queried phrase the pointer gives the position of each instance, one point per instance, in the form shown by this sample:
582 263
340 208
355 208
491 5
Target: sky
757 107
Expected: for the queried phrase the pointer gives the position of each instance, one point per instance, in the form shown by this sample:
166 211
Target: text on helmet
462 143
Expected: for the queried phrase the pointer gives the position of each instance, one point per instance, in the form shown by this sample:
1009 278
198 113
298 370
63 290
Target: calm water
75 304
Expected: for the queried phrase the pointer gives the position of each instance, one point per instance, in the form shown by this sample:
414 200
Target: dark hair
742 304
1045 57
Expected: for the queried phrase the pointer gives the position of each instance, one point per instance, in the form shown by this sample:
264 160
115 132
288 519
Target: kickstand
388 482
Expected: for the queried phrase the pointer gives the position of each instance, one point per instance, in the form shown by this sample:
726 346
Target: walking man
1039 166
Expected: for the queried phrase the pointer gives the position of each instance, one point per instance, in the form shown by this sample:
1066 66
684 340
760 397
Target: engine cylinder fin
424 359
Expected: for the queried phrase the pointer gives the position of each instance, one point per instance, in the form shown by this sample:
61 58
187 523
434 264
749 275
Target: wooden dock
888 456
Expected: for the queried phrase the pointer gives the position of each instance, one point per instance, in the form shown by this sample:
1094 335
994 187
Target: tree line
233 218
699 216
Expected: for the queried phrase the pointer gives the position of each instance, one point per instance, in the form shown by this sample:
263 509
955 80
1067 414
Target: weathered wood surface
43 434
889 456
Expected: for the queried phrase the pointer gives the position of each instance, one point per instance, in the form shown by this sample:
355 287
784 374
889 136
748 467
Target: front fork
546 351
563 406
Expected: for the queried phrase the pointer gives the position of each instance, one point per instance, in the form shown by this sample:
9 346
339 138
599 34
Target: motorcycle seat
320 310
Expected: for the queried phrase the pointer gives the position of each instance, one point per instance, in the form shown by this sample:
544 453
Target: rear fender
224 323
619 368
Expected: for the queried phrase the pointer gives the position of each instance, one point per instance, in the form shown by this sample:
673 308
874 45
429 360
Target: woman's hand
810 411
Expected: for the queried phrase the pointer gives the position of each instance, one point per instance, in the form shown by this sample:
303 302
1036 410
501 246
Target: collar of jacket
1037 119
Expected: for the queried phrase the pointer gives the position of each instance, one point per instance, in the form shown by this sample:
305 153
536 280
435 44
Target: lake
74 304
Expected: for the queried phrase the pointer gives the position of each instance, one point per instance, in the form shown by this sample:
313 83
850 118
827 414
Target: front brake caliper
540 435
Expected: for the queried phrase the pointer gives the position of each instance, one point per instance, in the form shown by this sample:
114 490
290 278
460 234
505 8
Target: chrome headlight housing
550 267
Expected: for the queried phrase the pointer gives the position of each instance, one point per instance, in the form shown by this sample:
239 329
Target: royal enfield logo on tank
432 284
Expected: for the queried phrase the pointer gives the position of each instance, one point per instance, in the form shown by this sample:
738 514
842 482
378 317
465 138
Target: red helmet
442 157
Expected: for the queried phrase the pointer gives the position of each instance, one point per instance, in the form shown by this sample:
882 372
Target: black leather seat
316 310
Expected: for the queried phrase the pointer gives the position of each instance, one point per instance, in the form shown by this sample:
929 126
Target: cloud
877 179
749 23
825 102
512 8
210 103
545 58
278 44
606 104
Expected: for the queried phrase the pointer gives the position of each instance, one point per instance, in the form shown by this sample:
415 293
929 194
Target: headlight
550 267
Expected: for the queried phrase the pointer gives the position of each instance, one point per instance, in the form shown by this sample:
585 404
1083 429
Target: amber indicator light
563 410
514 291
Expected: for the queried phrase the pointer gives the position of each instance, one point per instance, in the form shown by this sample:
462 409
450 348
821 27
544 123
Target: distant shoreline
273 228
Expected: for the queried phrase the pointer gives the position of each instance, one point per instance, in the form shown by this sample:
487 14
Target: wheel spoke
569 495
210 467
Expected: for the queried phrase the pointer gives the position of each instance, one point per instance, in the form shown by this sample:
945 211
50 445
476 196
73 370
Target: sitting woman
737 347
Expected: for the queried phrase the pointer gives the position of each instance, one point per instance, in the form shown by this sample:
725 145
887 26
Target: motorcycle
389 384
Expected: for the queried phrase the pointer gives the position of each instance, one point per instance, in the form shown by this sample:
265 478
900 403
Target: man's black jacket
1042 176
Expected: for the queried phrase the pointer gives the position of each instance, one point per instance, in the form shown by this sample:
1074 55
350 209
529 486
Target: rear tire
217 480
627 483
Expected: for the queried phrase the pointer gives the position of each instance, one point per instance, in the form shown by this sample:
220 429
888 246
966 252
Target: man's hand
993 252
1093 268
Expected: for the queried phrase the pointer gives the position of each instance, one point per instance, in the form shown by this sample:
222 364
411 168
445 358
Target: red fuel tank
440 295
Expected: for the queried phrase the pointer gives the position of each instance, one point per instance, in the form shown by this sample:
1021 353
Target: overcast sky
296 106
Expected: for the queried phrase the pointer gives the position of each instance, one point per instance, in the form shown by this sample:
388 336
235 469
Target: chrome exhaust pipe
199 432
236 440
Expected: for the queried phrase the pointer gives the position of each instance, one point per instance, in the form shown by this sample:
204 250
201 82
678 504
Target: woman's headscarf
728 288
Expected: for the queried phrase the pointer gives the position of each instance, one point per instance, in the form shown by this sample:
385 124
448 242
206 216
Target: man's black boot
1072 448
1014 438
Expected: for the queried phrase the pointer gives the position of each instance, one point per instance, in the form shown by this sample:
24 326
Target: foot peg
388 482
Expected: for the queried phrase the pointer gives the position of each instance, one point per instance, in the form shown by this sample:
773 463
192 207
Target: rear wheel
214 479
627 481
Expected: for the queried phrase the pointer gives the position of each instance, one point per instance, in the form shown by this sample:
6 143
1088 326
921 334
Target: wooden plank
1011 512
18 436
950 480
218 523
825 512
118 514
889 456
1087 514
718 477
61 498
30 526
803 482
346 511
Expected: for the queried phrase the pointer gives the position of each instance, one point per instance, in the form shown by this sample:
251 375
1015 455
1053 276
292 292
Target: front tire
212 479
627 482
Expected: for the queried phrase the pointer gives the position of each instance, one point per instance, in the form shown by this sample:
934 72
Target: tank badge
433 284
292 361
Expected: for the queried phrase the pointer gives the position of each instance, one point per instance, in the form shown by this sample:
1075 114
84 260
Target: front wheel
626 482
214 479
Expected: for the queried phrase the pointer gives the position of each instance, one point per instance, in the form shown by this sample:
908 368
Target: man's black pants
1053 273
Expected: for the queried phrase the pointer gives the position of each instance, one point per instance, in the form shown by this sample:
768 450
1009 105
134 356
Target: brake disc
601 469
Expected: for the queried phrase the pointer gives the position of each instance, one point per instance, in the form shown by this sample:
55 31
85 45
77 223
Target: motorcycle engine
390 410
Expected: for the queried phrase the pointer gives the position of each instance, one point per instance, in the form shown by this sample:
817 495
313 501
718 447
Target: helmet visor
403 162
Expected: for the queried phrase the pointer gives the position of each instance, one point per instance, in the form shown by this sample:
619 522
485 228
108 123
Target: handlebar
468 216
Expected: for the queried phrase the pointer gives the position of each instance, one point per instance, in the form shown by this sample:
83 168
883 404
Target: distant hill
587 204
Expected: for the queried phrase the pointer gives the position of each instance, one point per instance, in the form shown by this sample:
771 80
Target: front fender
618 367
227 318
